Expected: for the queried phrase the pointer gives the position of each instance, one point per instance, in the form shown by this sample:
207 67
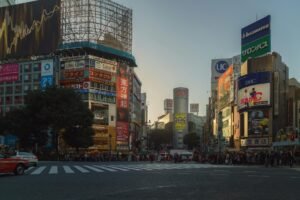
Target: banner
224 87
9 72
180 121
256 48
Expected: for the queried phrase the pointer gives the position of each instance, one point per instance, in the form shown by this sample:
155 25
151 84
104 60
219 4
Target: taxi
13 165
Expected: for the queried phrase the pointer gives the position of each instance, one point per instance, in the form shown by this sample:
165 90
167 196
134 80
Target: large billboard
224 87
29 29
194 107
256 39
180 121
258 122
254 90
122 106
9 72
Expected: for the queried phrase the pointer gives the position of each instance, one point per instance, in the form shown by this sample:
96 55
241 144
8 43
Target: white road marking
93 168
81 169
68 169
105 168
53 170
38 171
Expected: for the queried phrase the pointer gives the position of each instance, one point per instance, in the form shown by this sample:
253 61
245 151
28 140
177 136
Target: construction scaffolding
97 21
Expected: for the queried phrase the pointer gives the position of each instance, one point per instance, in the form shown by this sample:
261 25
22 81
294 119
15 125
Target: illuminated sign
29 29
257 48
221 66
258 122
224 87
252 142
9 72
180 121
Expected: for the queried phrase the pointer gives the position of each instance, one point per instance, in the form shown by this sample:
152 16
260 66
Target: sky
174 42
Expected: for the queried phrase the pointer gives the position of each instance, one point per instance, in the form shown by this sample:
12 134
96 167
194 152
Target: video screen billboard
254 90
180 121
258 122
29 29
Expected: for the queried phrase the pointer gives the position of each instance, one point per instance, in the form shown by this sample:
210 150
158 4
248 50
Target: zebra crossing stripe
131 168
81 169
68 169
38 170
93 168
105 168
53 170
119 168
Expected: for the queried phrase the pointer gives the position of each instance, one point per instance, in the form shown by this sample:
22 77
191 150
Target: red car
12 165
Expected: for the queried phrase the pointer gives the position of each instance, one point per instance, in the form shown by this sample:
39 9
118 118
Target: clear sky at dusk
175 40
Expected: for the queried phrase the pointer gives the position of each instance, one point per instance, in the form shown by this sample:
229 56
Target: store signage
256 30
256 48
252 142
47 68
221 66
46 81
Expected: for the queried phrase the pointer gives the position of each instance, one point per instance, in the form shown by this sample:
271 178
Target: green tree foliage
55 108
79 136
191 140
160 137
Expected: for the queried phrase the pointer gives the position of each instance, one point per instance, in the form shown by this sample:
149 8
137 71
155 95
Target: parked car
33 159
13 165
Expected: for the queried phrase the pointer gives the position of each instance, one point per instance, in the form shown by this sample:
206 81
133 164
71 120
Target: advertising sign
29 29
226 122
47 68
224 87
256 30
9 72
180 121
122 105
256 48
255 95
100 74
258 122
254 142
46 81
254 90
194 107
218 67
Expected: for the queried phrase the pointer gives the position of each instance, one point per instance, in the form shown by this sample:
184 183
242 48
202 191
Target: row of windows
18 89
35 67
99 97
99 86
11 100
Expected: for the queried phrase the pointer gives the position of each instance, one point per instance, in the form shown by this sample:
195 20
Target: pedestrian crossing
98 168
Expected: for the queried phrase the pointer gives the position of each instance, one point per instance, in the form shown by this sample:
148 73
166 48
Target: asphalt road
150 181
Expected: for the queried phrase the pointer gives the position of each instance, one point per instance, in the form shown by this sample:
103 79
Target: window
8 100
9 90
37 67
1 90
27 88
36 77
18 89
27 78
27 67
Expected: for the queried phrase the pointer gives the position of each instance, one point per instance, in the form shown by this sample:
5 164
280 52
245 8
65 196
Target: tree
55 109
191 140
79 137
159 137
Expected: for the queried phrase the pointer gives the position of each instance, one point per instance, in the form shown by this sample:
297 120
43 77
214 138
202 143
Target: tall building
81 48
181 103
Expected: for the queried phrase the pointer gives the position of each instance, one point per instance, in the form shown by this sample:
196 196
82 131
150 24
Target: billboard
256 38
122 105
226 122
254 90
256 48
29 29
254 142
218 67
194 107
9 72
258 122
256 30
224 87
180 121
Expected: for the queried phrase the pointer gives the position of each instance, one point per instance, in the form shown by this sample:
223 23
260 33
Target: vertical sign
47 73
